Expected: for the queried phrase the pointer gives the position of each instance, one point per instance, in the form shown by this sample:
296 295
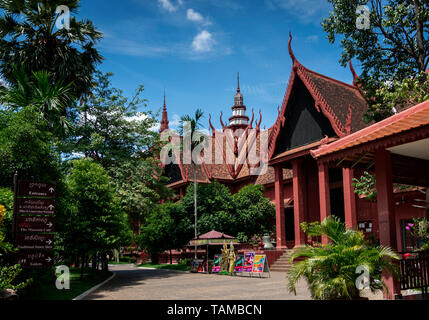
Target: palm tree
28 36
330 270
47 100
189 126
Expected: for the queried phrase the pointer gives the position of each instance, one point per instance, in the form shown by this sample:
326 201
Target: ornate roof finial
292 55
165 106
355 76
239 118
164 118
348 127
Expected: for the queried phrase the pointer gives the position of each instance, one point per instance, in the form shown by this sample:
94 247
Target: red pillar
349 199
386 212
324 195
299 200
280 208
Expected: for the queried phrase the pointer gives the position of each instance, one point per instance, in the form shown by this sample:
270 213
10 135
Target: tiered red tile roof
343 104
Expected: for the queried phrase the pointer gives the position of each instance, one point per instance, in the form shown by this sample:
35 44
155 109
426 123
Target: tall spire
239 118
164 118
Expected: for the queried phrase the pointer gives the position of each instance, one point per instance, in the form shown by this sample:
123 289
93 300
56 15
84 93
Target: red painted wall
367 211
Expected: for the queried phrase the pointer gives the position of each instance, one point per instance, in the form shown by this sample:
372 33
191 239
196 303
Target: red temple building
317 145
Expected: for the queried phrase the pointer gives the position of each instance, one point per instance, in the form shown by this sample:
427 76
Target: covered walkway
396 150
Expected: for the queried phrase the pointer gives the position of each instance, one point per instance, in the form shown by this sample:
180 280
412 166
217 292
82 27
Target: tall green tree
255 213
190 126
28 36
395 47
216 207
97 223
47 100
110 128
31 124
26 148
140 186
166 227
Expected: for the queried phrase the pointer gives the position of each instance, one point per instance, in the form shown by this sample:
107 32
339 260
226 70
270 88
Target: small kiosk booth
221 260
213 242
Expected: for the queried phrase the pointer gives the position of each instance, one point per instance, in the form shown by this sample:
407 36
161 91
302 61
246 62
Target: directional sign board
34 210
35 224
35 259
36 206
33 241
36 189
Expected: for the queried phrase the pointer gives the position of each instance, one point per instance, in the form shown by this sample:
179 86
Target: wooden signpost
36 206
36 189
35 259
34 222
35 241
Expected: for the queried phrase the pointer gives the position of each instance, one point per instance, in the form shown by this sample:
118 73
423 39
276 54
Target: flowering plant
419 229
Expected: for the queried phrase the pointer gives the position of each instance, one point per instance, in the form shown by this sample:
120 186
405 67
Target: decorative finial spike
238 81
355 76
292 55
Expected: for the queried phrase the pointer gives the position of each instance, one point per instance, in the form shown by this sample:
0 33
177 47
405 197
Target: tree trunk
94 262
104 262
82 266
195 205
420 36
171 258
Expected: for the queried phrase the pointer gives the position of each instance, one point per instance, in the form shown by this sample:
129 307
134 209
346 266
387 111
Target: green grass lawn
120 262
48 291
180 267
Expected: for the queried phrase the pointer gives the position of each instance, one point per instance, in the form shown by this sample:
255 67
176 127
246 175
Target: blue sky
194 49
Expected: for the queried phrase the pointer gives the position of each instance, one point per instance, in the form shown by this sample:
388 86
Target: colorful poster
216 263
259 263
239 263
197 266
248 261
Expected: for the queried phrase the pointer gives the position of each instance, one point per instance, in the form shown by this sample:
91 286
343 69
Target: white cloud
169 6
306 11
174 122
203 42
194 16
139 117
197 17
312 38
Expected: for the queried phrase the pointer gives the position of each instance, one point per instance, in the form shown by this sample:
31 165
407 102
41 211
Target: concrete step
280 270
282 265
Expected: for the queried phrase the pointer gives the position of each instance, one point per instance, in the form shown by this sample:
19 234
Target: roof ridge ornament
348 127
292 55
355 76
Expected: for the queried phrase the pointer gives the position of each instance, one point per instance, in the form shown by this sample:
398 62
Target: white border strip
89 291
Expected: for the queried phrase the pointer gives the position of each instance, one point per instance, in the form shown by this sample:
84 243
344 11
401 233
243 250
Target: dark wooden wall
304 124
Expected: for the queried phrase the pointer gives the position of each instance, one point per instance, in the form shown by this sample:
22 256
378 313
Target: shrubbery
243 215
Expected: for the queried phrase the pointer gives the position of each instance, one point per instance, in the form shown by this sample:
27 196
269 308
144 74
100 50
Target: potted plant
331 270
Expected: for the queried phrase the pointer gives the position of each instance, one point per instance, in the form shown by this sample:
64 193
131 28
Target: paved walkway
132 283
